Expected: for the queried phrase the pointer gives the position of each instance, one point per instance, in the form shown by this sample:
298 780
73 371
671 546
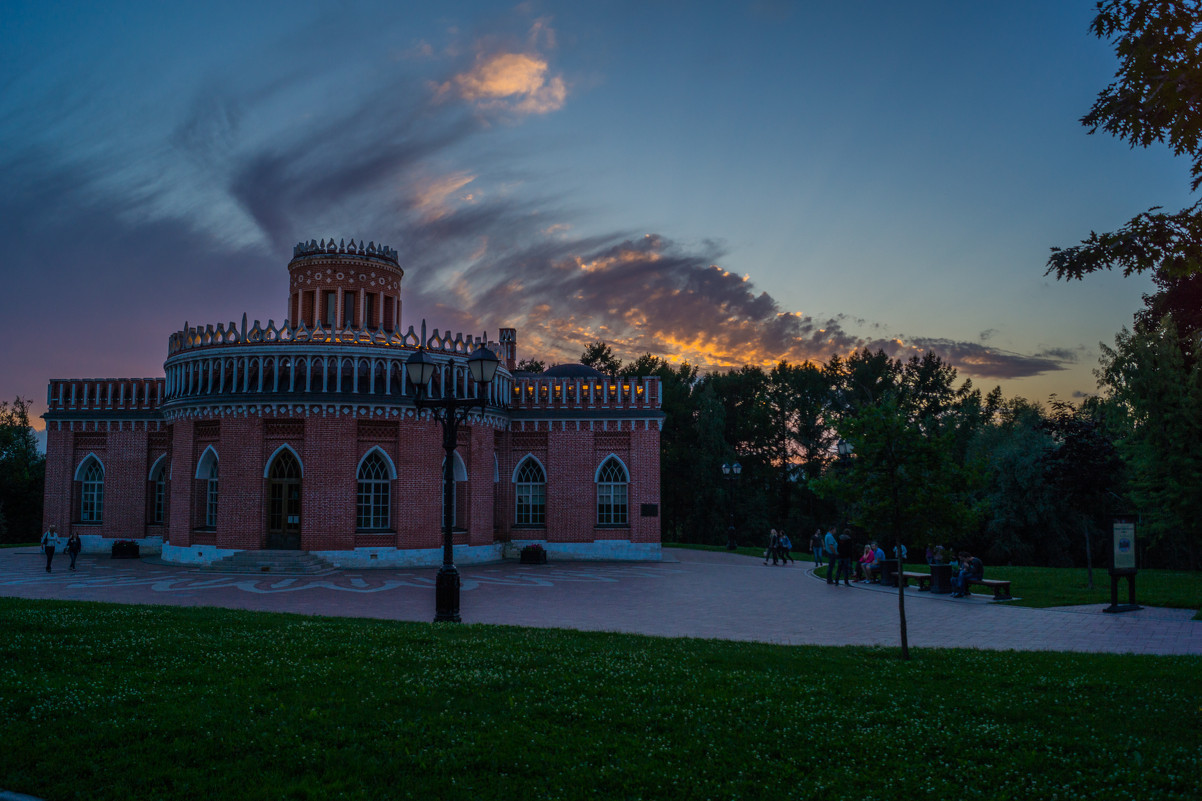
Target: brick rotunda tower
305 436
344 286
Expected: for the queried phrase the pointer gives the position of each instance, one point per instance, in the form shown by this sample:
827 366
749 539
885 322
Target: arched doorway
284 502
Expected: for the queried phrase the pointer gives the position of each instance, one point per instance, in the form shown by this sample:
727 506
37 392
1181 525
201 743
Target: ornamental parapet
533 392
327 248
312 364
105 394
191 337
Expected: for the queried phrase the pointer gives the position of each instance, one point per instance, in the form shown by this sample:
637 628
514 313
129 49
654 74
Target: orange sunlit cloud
647 295
432 198
516 82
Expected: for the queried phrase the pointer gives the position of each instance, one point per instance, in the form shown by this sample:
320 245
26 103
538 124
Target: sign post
1122 564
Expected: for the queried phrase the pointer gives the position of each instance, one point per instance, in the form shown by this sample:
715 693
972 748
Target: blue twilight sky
717 182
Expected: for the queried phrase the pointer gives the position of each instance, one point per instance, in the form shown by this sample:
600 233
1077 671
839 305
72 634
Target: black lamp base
446 595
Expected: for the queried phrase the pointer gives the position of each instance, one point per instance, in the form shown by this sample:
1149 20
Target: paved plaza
690 594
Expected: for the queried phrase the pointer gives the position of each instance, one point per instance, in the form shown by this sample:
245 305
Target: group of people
967 567
837 553
779 548
50 542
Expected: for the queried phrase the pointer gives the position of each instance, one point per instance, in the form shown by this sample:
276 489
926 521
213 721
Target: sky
717 183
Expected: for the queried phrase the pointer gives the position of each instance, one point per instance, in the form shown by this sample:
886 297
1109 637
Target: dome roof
573 371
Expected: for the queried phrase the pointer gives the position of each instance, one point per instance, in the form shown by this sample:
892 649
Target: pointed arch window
458 493
530 484
91 506
211 495
373 506
612 484
284 499
158 490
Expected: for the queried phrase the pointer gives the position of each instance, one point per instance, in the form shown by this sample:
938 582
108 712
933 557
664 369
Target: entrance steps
299 563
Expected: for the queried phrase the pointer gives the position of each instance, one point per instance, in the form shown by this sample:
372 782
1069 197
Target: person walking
74 546
773 547
831 547
49 541
816 547
786 546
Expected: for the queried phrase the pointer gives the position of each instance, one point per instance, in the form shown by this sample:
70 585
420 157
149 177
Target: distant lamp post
845 450
450 412
731 473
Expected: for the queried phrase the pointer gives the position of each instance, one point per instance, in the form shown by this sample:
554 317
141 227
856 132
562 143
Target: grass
111 701
1042 587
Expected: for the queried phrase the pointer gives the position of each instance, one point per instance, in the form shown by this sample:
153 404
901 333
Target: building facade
305 437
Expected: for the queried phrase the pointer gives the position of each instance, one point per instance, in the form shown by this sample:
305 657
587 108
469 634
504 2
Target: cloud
391 164
431 198
648 294
514 82
1059 354
980 361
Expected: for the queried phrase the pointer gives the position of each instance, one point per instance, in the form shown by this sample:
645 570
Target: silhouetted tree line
22 475
936 460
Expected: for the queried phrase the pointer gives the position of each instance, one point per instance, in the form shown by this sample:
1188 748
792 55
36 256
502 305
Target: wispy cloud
648 294
481 248
432 198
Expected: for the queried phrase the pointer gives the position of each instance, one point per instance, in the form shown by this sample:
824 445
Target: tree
1157 398
1156 98
903 477
1083 464
646 365
600 356
1182 299
1026 516
532 365
22 474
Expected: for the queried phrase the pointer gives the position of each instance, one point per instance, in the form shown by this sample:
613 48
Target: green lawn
1062 586
109 701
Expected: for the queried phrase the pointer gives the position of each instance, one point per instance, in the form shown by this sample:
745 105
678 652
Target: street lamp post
844 449
731 473
450 412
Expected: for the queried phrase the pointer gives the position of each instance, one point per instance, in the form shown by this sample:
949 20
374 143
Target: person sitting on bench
970 568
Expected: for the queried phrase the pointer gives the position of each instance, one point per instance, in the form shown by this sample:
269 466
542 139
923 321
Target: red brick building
305 436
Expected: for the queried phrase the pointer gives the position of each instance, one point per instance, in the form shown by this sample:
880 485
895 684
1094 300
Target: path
692 594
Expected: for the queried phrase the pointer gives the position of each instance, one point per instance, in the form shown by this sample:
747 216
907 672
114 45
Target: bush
125 549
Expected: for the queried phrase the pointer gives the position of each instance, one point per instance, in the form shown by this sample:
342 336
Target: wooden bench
923 579
1001 589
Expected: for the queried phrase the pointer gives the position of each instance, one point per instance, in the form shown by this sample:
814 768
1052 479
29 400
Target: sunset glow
675 180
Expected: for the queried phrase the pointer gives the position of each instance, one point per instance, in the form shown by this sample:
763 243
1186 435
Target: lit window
612 483
531 485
